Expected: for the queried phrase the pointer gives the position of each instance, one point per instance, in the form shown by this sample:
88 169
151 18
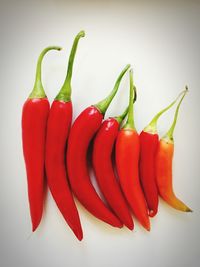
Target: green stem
121 117
152 126
130 124
38 90
65 92
104 104
169 135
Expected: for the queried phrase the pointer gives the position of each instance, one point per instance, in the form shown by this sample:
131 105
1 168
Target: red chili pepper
34 120
58 126
164 166
102 163
127 160
148 147
81 134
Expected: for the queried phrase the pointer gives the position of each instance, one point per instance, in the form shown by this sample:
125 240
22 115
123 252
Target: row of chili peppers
54 149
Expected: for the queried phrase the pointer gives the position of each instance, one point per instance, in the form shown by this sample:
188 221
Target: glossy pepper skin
58 126
102 163
83 130
127 161
34 120
148 148
164 159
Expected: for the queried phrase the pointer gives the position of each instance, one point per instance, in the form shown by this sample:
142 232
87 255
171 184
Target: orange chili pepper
164 159
127 160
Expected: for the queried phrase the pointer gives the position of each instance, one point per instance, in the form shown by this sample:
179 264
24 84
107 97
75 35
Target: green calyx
38 90
152 126
130 124
168 137
65 92
103 105
121 117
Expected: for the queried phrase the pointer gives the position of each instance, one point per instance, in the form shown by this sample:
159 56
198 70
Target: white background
161 40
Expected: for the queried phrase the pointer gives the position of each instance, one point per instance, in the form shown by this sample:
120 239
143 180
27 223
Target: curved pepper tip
79 236
35 222
118 225
189 210
34 227
152 213
130 226
115 223
78 232
128 222
147 226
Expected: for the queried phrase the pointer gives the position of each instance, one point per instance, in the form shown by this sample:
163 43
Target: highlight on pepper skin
127 160
52 146
149 141
88 123
34 120
164 159
58 127
102 163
